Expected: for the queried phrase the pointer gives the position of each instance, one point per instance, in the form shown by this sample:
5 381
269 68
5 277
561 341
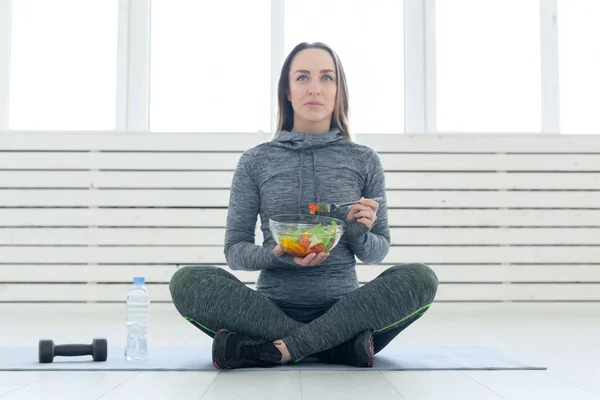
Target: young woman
310 305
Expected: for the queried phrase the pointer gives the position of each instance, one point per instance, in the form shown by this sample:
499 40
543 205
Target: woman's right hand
309 260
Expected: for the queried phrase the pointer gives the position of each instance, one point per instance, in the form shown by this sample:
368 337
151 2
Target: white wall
499 217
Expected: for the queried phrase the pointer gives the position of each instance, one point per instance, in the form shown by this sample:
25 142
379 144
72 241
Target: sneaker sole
371 350
218 349
365 359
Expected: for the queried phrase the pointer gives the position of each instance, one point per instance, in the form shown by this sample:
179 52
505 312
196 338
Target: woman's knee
189 276
422 276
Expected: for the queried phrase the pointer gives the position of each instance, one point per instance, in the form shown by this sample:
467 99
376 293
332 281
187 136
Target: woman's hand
309 260
364 212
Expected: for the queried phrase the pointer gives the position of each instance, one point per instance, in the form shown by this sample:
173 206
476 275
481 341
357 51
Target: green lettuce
319 234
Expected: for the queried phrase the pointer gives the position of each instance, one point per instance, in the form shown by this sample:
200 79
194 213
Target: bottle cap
138 280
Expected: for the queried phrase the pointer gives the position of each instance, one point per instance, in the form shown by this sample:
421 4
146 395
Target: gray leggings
211 299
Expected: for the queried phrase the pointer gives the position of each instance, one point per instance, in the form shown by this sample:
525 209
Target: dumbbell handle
70 350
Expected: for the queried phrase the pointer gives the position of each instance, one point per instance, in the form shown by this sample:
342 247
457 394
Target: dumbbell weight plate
100 349
46 351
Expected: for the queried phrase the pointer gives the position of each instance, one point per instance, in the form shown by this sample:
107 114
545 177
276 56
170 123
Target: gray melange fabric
211 298
311 308
284 176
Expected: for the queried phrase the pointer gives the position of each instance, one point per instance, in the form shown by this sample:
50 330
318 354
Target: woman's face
312 90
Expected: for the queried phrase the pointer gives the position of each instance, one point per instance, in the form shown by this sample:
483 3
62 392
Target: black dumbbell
48 350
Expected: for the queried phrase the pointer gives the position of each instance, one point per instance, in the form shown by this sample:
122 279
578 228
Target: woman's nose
314 89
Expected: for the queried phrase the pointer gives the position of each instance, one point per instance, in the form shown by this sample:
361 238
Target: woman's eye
301 77
327 77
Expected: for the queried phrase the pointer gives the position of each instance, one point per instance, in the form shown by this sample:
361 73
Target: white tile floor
564 337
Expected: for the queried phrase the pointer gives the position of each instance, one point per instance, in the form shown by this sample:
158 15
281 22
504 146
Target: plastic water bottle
137 319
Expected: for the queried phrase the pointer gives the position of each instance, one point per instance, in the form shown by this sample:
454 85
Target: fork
333 206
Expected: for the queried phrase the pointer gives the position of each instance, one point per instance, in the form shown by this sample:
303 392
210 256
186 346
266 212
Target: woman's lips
313 104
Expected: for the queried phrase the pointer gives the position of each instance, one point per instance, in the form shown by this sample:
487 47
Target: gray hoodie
283 176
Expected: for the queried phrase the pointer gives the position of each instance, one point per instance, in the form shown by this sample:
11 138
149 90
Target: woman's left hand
364 212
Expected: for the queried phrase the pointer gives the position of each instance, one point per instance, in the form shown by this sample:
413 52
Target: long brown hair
285 112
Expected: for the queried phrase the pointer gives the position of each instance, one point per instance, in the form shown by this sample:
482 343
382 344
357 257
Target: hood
305 141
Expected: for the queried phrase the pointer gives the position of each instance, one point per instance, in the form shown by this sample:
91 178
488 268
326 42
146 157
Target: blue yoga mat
199 359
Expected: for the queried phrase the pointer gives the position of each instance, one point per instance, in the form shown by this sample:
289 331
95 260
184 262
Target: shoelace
251 351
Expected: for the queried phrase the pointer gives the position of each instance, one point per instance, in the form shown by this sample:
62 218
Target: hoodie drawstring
316 180
300 181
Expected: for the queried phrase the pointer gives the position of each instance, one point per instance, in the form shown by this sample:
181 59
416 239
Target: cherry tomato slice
317 248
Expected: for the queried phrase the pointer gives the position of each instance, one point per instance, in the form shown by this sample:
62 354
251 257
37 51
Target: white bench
499 217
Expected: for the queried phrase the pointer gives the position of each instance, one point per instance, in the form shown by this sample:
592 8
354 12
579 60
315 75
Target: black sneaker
357 352
232 350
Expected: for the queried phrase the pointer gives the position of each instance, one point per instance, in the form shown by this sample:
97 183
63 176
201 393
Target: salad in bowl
302 234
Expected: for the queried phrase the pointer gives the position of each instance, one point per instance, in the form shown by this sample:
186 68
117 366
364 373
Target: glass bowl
302 234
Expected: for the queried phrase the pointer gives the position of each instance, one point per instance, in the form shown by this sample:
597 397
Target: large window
488 65
579 65
210 65
63 65
368 37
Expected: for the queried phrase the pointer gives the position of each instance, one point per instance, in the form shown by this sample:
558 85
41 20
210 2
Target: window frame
5 40
133 65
